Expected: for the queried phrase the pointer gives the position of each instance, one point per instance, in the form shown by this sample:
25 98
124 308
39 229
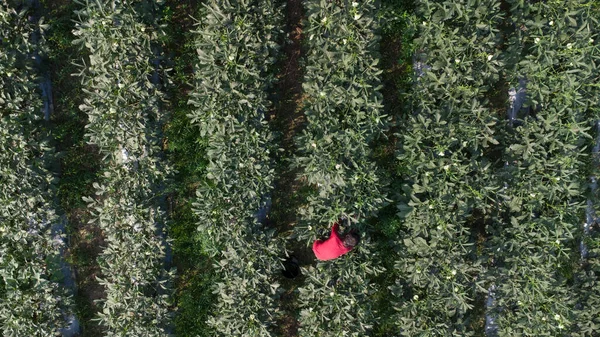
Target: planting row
589 275
587 57
447 160
236 46
496 205
536 248
125 119
32 300
343 108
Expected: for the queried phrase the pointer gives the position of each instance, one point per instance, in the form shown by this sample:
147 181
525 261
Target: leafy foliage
483 203
193 296
32 303
446 159
587 319
343 112
235 41
545 177
125 121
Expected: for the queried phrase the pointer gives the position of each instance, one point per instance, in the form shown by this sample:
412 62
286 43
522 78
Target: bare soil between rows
86 244
287 120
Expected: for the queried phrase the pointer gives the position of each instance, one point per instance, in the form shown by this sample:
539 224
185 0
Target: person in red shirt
336 245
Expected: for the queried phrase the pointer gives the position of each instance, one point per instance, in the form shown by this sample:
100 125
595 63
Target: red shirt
331 248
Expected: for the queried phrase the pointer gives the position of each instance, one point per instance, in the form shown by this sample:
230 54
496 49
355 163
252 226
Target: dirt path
86 242
396 64
193 299
287 120
391 52
78 163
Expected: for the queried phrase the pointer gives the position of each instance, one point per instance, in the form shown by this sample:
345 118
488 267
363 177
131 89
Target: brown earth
86 243
288 119
78 162
395 71
391 53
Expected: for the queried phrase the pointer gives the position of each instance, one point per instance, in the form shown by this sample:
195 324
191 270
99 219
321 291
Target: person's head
351 239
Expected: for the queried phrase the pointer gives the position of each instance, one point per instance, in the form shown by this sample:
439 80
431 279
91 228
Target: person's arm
334 230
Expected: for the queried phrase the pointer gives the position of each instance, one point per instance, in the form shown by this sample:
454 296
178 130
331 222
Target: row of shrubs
539 290
491 224
446 160
125 118
344 114
32 300
236 43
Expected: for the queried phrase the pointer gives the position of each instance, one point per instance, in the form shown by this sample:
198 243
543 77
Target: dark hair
351 239
291 267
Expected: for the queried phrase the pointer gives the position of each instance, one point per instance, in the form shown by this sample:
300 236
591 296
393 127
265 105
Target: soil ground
193 298
395 71
77 164
287 121
86 242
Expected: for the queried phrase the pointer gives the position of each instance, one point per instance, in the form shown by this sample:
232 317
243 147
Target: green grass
77 159
397 48
398 24
186 152
194 268
194 298
397 19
